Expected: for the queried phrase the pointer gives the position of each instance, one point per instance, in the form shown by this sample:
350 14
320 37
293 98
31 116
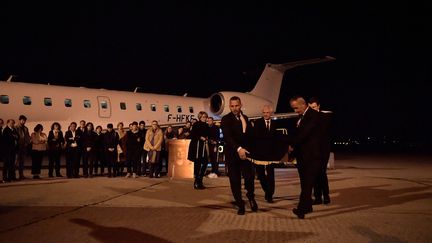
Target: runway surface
379 198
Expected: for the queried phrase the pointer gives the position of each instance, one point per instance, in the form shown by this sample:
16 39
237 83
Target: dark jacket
266 144
55 143
197 147
10 140
69 139
233 136
309 138
133 142
88 140
110 140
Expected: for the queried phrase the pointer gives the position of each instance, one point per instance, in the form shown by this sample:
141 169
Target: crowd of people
97 151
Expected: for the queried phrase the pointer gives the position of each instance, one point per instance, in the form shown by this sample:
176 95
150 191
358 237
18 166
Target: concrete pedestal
179 165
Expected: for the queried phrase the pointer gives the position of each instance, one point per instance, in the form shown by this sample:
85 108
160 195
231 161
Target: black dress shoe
299 214
253 205
59 175
241 210
326 200
269 198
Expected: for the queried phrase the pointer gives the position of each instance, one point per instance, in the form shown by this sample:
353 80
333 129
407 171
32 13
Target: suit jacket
233 135
10 139
309 137
266 144
69 139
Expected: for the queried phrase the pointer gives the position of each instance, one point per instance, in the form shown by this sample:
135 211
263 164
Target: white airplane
46 104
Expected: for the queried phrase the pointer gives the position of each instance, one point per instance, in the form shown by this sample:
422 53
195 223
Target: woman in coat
198 148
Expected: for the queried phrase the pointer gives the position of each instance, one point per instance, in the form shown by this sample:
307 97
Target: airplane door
104 107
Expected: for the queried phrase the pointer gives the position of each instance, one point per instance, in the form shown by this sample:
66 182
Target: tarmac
374 198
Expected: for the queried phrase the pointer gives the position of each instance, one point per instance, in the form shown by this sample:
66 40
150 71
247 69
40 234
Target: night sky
380 84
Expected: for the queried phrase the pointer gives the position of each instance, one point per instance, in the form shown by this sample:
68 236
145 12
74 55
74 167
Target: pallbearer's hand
242 153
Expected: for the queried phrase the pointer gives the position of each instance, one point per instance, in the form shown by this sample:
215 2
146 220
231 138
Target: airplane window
48 101
153 107
68 102
123 105
87 104
138 107
26 100
104 105
179 109
191 109
4 99
166 108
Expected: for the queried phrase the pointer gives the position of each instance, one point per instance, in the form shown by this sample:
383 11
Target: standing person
110 143
23 144
39 145
80 134
321 187
235 126
10 145
307 144
213 142
186 130
198 149
142 169
55 145
88 142
99 152
264 133
121 148
72 151
133 151
153 146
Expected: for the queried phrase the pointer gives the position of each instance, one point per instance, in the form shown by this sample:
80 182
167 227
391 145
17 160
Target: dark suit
321 187
10 145
266 147
308 144
72 154
234 138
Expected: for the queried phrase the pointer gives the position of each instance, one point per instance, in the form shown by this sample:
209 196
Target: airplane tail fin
269 84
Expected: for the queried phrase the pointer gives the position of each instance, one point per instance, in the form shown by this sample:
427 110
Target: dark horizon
377 86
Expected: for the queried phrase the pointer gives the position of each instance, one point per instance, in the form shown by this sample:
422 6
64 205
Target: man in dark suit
235 126
265 149
321 187
308 144
10 139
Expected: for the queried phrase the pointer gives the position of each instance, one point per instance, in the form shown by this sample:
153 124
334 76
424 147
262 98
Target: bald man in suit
307 143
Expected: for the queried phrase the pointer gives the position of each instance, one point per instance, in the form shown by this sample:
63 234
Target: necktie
299 120
267 124
243 121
